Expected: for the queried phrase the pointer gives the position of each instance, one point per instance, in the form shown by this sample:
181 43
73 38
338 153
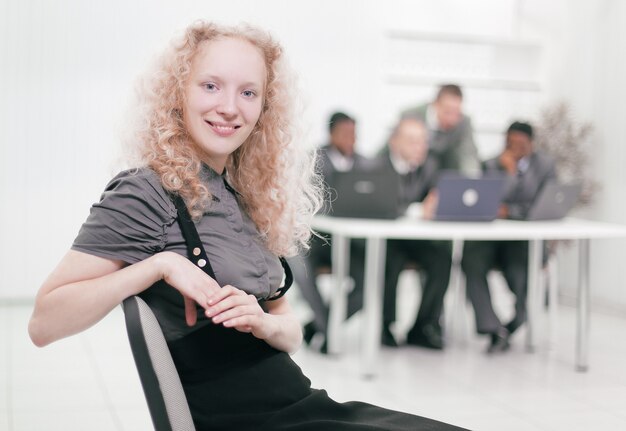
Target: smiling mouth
223 129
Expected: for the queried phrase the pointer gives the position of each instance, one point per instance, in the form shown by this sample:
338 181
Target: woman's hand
234 308
191 281
278 327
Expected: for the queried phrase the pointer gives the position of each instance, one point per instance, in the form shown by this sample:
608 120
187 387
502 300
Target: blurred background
68 70
68 67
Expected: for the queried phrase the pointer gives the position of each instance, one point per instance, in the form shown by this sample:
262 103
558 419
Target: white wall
586 41
67 70
607 103
608 116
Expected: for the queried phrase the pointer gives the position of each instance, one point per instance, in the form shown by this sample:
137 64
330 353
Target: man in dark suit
450 134
406 157
527 172
337 156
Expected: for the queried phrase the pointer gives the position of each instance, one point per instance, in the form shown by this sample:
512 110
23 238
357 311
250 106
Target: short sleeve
131 220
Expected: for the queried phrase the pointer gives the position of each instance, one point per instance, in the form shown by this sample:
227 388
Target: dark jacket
325 166
414 186
522 189
326 169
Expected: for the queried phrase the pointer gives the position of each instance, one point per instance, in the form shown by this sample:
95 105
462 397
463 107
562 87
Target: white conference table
376 232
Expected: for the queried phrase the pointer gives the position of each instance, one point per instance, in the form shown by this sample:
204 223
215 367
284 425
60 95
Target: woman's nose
227 105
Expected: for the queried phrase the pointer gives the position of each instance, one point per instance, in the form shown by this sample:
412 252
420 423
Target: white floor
88 382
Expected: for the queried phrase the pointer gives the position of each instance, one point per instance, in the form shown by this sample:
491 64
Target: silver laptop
469 199
554 201
364 194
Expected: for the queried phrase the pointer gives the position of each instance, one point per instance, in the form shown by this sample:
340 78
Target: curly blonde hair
275 177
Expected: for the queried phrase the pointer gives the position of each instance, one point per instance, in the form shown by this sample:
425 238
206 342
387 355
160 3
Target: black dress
232 380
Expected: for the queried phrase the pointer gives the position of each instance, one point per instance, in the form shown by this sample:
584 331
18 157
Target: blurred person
450 133
198 229
527 172
406 156
338 155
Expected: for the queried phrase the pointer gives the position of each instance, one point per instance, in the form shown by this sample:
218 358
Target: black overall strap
288 281
196 253
195 250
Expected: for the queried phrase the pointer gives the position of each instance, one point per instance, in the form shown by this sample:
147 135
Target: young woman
197 230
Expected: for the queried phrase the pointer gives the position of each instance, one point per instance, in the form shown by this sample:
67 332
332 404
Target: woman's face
224 97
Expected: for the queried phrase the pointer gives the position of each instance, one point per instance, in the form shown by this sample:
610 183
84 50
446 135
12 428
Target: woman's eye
210 86
248 93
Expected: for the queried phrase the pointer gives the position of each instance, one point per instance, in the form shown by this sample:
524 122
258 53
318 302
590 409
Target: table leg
533 302
456 316
340 255
582 309
553 297
372 304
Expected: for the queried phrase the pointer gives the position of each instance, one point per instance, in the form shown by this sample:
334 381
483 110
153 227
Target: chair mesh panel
173 394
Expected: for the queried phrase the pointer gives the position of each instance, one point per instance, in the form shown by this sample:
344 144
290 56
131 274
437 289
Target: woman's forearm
287 335
63 309
287 332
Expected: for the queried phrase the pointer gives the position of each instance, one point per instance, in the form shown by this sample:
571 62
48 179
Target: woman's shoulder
140 177
131 219
140 185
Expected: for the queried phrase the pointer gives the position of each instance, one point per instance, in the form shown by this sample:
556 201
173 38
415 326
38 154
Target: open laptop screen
469 199
554 201
364 194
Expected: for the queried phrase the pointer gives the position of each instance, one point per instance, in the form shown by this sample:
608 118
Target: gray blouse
136 218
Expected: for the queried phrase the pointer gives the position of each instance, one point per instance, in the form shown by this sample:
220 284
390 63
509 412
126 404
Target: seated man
337 156
406 157
527 171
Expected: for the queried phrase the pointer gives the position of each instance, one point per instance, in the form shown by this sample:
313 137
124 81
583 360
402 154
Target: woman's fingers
223 293
190 311
226 303
242 323
193 283
223 310
234 308
235 311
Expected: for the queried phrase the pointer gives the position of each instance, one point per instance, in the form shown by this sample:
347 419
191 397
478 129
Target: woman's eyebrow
209 77
212 77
